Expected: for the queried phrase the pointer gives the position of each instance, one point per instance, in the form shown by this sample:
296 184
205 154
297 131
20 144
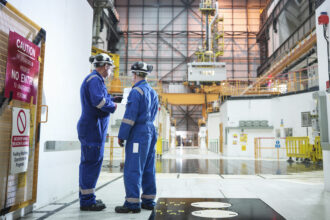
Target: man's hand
117 99
121 142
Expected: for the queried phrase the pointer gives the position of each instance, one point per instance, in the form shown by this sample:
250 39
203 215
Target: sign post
20 140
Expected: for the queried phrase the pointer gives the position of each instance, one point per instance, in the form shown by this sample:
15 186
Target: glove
121 142
117 99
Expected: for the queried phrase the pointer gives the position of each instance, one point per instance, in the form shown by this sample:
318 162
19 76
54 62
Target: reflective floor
192 160
293 191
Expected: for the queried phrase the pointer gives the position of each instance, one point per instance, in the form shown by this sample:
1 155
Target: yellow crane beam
188 98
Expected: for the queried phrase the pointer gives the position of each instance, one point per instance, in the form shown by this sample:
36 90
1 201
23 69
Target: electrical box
207 71
288 132
313 78
306 119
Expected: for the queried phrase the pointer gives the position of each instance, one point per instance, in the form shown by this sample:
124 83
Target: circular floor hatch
214 213
211 205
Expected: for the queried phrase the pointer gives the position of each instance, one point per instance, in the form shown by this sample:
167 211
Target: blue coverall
138 129
92 128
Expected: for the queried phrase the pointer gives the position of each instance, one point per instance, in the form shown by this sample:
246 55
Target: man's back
141 108
149 104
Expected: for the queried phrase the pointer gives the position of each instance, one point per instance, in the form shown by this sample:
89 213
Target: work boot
144 206
124 209
95 207
99 201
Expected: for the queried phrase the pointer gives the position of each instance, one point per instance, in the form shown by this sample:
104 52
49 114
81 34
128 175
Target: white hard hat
141 68
101 59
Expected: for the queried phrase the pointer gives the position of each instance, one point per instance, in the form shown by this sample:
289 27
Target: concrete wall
244 110
288 109
68 24
280 112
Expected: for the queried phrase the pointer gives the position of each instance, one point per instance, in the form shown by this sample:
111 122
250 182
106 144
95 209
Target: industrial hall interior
165 109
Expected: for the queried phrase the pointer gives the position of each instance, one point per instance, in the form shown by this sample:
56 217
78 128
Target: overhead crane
204 71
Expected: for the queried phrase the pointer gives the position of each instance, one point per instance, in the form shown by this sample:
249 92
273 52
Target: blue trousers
89 171
139 169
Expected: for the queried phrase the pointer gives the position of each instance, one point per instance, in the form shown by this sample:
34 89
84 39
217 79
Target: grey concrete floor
293 195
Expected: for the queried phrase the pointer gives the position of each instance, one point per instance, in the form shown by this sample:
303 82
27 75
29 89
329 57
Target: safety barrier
299 147
159 147
19 188
267 148
114 150
317 149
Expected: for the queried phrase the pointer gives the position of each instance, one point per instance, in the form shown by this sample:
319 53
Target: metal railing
296 81
113 147
264 148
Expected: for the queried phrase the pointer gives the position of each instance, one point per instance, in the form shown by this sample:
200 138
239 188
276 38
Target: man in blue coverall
92 128
138 130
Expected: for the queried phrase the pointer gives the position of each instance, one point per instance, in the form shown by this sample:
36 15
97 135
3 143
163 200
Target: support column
326 170
322 55
204 111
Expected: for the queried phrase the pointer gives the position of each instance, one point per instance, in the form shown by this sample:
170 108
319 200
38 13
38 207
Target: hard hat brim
139 71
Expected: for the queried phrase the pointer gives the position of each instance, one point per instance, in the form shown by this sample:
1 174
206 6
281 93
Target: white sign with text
20 140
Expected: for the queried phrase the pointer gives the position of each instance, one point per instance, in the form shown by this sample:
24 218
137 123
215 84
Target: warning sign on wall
20 140
22 69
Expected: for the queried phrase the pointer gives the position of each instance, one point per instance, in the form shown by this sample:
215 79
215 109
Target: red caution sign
22 69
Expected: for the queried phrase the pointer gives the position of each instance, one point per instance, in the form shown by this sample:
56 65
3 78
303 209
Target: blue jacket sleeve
99 96
155 107
131 113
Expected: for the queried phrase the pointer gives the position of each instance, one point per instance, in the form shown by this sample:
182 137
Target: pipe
207 32
210 25
97 25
